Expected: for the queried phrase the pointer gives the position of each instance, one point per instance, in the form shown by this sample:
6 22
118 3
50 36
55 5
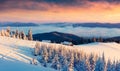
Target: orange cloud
44 12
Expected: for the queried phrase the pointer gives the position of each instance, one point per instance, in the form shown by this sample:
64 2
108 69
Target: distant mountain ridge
102 25
17 24
58 37
115 39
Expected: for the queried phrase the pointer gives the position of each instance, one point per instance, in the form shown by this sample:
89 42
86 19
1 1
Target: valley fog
79 31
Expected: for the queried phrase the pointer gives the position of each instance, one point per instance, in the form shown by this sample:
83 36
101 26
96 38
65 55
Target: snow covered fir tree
64 58
17 34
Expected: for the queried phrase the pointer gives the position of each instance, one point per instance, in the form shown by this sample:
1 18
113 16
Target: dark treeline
58 37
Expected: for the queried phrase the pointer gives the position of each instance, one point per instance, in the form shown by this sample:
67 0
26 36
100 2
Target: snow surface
17 54
110 50
6 65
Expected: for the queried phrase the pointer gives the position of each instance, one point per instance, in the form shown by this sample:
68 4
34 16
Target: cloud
22 4
109 1
2 1
65 3
76 2
60 10
44 5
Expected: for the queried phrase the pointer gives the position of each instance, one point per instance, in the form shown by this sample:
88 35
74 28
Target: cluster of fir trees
66 58
5 32
17 34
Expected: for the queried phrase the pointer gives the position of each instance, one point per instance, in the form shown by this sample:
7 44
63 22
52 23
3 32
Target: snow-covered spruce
63 58
17 34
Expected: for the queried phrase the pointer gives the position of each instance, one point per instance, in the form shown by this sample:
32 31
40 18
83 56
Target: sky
60 11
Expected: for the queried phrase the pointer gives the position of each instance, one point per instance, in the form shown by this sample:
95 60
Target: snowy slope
110 50
17 55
